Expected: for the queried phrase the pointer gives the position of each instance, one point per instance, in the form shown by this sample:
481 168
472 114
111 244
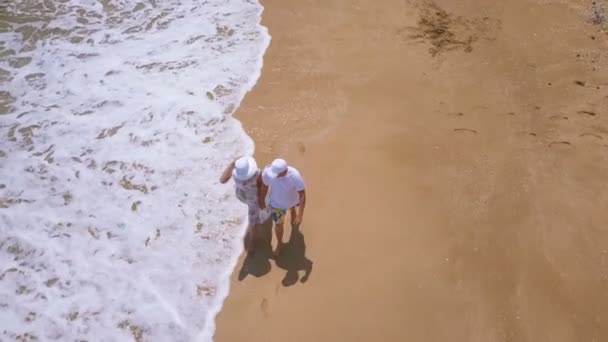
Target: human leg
250 235
278 230
278 217
293 214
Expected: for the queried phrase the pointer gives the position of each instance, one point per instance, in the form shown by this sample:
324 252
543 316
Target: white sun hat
277 166
244 168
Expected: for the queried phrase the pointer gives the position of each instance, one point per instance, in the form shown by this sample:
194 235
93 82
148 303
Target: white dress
247 192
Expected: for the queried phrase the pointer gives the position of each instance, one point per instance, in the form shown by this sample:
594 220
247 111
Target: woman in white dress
250 190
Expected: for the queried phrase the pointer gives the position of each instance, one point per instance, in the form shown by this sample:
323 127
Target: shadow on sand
258 264
292 259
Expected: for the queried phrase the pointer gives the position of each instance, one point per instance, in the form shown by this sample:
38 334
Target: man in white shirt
287 191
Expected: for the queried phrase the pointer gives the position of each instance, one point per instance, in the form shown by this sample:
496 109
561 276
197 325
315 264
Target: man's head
278 168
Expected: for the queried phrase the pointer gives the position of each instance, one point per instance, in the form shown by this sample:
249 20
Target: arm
300 186
262 191
302 195
227 173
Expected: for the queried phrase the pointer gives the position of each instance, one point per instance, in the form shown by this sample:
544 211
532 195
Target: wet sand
456 155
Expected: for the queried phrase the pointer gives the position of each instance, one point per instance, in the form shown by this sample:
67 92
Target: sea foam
115 124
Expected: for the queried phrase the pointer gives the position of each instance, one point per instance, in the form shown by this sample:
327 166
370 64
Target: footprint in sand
264 307
559 143
301 148
593 135
587 112
465 130
557 117
600 129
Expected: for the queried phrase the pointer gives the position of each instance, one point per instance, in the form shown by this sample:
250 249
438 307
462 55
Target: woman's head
244 168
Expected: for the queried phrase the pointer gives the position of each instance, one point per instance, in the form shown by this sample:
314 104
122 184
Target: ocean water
115 125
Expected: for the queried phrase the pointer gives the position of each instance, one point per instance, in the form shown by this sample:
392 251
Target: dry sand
456 154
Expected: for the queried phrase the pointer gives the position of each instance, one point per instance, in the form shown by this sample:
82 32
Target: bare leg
278 230
293 214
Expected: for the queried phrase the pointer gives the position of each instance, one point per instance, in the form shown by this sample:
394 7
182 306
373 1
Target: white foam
112 222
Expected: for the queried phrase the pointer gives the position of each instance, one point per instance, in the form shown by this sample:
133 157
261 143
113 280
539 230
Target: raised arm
227 173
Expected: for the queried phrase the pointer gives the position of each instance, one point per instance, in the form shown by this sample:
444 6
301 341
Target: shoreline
442 184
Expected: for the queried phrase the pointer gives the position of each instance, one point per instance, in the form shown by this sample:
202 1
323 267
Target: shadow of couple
292 258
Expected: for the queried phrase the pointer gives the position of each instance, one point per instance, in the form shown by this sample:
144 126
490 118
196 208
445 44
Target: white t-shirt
284 190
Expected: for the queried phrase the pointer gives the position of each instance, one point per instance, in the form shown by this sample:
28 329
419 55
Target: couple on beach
287 193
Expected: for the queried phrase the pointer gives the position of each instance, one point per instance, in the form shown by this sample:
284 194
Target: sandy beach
456 158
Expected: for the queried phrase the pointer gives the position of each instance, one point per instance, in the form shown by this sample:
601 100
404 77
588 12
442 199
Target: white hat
277 166
244 168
